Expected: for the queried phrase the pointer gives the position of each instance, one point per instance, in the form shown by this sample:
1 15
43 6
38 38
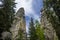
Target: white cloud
1 3
27 4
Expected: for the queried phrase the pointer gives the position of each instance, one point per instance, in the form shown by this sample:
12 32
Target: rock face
18 23
49 31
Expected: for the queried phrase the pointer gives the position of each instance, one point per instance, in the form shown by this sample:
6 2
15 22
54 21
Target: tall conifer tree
6 15
32 31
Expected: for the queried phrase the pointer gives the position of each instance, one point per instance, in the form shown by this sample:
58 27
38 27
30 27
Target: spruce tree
8 9
32 31
6 15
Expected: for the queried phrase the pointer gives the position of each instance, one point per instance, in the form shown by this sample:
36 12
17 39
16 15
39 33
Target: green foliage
6 15
9 9
35 31
39 31
32 31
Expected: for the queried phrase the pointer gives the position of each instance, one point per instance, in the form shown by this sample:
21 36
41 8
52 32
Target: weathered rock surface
49 31
18 23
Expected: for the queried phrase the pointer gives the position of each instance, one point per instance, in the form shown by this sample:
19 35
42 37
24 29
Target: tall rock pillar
19 24
49 31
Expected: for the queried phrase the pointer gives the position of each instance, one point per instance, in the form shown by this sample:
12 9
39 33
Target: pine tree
32 31
6 15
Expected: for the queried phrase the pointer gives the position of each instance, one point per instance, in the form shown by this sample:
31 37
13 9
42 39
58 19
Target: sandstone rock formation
18 23
49 31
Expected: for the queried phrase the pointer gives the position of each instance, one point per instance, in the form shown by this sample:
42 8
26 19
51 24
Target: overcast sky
32 8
